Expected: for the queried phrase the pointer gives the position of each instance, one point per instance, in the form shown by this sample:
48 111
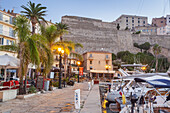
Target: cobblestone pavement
57 101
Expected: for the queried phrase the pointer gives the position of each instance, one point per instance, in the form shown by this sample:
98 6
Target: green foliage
34 12
32 89
144 58
55 84
113 56
136 45
122 53
145 46
138 32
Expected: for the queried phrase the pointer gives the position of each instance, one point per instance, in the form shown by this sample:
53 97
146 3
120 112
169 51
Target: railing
7 33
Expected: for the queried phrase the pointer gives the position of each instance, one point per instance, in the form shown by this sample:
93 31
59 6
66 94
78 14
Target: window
151 30
91 67
1 41
11 32
138 21
99 62
107 56
132 17
132 21
1 16
107 62
161 21
7 42
126 20
133 25
90 55
90 62
1 29
143 22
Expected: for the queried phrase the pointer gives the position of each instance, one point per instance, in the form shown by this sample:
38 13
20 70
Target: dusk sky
106 10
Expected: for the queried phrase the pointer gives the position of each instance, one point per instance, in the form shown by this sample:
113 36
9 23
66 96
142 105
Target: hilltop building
131 21
164 28
159 22
147 30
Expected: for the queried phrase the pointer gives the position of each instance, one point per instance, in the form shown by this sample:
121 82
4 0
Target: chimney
8 11
4 10
50 20
12 11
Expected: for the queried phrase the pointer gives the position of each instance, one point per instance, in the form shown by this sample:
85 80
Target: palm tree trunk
21 72
33 29
156 64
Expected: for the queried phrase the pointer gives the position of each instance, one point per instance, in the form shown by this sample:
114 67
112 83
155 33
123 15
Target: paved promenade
92 104
57 101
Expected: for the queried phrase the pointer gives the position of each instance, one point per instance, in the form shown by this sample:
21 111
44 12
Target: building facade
7 36
131 21
95 63
165 28
159 22
148 30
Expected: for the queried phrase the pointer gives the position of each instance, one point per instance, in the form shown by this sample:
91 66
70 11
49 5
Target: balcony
107 58
7 34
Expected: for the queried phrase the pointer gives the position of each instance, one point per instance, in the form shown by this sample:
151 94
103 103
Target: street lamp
107 68
143 68
60 64
78 64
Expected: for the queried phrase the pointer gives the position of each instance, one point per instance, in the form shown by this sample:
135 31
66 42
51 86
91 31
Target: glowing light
143 68
62 51
78 63
59 49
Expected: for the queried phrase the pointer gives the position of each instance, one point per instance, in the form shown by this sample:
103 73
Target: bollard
89 86
77 99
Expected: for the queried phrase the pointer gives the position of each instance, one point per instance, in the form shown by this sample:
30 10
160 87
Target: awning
156 81
101 71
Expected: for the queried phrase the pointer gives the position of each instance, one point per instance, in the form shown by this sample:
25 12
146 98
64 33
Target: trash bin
46 85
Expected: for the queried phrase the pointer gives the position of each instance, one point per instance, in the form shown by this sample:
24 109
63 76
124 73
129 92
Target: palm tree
62 29
30 49
156 51
34 13
68 47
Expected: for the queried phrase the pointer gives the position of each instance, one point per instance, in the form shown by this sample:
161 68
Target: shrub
32 89
55 84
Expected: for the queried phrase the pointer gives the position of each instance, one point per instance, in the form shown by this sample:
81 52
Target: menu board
40 82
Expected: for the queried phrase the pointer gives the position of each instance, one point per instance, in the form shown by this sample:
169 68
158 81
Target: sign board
52 75
77 99
40 82
81 71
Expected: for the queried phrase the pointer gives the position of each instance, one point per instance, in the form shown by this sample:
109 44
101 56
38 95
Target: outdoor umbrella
7 62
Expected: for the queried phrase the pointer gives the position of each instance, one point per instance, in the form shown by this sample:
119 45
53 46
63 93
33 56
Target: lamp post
78 64
60 65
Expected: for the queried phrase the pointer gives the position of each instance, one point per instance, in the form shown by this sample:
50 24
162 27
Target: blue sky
106 10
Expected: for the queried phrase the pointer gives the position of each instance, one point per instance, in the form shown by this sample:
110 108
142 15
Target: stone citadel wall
96 35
